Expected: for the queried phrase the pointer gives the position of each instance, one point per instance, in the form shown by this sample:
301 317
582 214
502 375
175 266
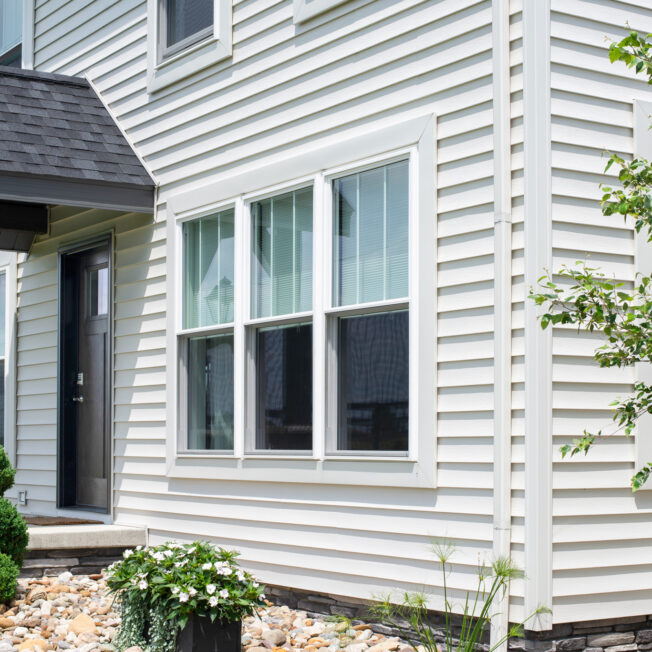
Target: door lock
78 399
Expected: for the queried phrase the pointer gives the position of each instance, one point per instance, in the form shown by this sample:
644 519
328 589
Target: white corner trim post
502 418
643 265
538 343
28 34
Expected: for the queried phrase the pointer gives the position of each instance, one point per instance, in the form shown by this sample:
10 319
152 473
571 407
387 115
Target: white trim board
643 265
419 468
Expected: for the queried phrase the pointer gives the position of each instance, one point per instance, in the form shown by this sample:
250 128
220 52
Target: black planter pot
202 635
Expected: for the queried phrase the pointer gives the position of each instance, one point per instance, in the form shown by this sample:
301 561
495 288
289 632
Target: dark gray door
85 373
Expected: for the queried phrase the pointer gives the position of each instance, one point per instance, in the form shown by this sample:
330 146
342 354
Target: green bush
8 576
7 472
13 532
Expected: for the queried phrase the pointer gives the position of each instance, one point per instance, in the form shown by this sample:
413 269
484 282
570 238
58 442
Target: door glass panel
98 286
370 235
210 393
373 382
187 17
284 388
282 260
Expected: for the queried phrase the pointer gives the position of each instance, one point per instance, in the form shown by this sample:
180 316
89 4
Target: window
184 22
208 318
306 339
184 37
3 352
11 17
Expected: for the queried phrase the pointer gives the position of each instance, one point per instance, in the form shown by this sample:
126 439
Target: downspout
502 419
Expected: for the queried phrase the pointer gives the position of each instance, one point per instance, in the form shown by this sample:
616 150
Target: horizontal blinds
282 254
371 235
208 270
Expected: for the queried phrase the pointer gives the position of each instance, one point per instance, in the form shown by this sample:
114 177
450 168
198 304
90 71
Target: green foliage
172 581
7 472
8 578
408 611
585 297
13 532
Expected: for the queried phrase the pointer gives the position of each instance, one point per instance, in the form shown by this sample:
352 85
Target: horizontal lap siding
37 312
601 532
288 89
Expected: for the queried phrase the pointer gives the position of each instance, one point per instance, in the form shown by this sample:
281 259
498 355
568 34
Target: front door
84 379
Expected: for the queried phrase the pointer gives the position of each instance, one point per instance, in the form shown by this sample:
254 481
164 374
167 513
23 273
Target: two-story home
271 286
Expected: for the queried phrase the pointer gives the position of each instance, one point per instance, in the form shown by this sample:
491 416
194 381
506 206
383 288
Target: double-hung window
183 23
307 331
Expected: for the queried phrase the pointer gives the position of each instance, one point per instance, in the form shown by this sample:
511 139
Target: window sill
388 472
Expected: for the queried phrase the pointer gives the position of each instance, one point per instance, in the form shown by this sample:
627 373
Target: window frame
8 266
168 65
413 140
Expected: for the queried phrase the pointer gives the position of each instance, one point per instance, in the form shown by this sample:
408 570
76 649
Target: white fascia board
538 342
191 60
643 265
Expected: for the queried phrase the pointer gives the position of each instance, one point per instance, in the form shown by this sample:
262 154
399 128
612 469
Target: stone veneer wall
79 561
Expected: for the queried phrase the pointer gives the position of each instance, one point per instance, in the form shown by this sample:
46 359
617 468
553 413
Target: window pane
284 388
3 312
99 288
208 270
210 392
11 24
370 238
187 17
2 402
373 380
282 255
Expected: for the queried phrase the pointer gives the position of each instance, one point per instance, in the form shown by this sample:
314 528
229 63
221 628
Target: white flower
139 547
207 566
127 553
240 574
192 590
175 590
262 596
183 597
219 564
168 553
213 601
256 584
224 593
142 585
210 589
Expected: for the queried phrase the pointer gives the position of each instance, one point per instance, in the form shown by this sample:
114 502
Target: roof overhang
67 192
19 224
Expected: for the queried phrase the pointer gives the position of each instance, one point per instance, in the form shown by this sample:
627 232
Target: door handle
78 399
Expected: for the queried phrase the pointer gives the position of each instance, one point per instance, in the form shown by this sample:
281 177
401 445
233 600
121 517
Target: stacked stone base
79 561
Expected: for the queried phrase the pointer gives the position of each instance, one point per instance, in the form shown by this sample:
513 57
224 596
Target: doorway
84 378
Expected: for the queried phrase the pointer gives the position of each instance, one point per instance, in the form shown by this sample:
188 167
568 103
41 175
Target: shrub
8 578
13 532
7 472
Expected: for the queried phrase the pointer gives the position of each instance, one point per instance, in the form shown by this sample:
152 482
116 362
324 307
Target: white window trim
414 137
643 265
27 52
196 57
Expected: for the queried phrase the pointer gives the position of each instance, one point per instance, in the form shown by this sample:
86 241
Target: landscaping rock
274 637
610 640
576 643
82 624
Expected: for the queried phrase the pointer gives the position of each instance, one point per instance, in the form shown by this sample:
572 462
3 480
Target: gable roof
59 145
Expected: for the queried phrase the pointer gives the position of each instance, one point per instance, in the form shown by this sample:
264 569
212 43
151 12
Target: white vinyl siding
280 94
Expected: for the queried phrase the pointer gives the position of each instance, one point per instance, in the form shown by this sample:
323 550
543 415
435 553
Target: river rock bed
74 612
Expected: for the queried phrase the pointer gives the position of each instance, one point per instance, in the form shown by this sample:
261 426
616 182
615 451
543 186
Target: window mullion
241 299
321 279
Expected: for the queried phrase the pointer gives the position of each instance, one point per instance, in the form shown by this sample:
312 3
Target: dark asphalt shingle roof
56 126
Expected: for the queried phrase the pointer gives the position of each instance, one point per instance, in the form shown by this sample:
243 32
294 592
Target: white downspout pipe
502 302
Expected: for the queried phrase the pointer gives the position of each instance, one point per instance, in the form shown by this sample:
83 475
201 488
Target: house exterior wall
287 88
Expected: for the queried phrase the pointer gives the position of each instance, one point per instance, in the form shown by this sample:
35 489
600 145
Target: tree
584 296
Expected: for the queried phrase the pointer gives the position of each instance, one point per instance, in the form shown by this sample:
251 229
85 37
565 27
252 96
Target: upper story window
183 23
11 22
184 37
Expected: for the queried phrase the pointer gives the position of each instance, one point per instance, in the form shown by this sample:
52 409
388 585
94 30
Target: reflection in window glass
284 388
373 382
282 260
208 270
210 393
370 236
98 283
187 17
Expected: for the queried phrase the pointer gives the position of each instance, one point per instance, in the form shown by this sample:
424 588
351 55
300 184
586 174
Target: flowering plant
172 581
